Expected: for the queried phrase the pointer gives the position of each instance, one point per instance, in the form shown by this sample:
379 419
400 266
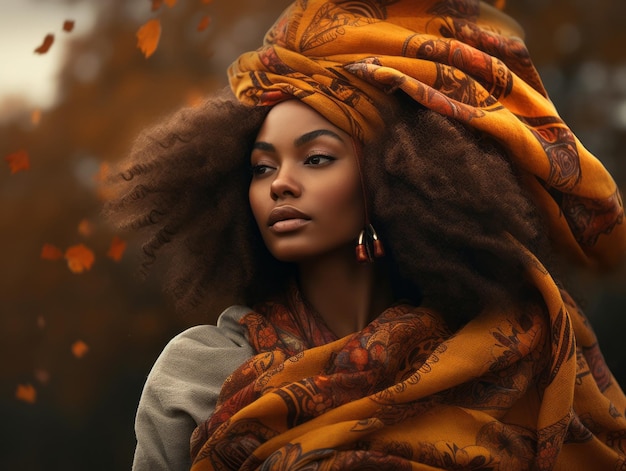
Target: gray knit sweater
182 388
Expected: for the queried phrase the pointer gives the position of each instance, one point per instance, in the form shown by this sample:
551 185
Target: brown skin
305 173
347 295
307 199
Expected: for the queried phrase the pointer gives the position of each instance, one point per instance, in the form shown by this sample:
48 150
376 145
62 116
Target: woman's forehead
293 117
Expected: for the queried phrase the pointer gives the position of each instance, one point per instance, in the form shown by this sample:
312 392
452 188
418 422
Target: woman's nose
285 185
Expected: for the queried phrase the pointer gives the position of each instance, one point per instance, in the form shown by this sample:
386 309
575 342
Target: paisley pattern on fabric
559 145
589 218
518 387
461 58
331 21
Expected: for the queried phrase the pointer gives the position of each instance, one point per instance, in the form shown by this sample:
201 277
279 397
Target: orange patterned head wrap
462 58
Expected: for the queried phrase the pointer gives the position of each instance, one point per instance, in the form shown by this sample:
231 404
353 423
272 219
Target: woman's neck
346 294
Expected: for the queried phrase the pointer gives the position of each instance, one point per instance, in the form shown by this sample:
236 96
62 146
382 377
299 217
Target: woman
419 133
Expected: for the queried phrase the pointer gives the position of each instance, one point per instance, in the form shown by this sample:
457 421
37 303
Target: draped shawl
519 387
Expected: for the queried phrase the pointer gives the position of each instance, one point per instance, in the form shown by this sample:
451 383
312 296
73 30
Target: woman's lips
288 225
286 219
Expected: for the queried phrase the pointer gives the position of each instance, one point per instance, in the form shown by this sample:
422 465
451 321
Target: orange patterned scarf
461 58
519 388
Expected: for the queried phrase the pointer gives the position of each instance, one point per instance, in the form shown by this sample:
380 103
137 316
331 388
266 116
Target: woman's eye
318 159
260 169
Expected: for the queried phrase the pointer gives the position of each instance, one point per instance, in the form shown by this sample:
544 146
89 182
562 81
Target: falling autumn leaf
170 3
156 4
18 161
206 2
68 26
41 321
79 349
45 45
104 171
194 98
103 174
85 228
204 23
35 117
148 37
105 190
26 393
79 258
51 252
116 249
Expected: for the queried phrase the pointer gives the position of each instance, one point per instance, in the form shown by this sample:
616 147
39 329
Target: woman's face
305 192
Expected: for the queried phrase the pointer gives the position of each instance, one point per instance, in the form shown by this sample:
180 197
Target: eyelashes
259 170
312 160
319 159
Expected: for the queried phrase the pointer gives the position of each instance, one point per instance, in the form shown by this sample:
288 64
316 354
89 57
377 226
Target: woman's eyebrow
309 136
266 146
300 141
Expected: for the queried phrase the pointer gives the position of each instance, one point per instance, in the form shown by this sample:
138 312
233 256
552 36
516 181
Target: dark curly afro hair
444 200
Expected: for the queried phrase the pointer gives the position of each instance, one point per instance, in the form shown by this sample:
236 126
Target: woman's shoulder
201 350
183 386
227 333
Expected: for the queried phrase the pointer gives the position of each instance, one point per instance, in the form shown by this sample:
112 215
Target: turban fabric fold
462 58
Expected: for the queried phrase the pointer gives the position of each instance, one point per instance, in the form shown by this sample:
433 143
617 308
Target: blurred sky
24 74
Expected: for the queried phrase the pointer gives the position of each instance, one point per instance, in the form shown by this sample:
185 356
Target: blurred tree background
83 411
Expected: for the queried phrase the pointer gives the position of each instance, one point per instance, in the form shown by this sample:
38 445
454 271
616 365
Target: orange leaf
35 117
204 23
18 161
156 4
148 37
68 26
45 45
51 252
104 172
85 228
206 2
194 98
116 249
170 3
104 188
79 349
26 393
79 258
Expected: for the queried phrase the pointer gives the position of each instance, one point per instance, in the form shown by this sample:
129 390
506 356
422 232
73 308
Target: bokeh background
79 106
